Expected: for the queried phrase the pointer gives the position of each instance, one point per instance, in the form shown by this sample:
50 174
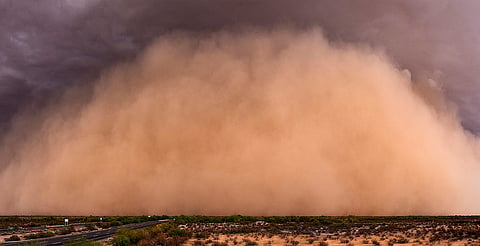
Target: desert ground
341 231
245 230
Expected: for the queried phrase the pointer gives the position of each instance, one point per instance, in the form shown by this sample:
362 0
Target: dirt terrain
292 230
341 231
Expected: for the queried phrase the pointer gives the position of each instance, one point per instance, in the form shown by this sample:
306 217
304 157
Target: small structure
66 222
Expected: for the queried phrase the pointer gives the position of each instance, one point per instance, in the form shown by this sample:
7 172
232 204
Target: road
92 235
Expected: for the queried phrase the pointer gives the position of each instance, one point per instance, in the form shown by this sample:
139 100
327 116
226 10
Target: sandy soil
250 239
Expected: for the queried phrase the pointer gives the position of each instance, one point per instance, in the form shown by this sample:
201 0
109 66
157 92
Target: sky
49 45
90 86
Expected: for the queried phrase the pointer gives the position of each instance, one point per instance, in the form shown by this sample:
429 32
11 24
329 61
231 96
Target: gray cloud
51 44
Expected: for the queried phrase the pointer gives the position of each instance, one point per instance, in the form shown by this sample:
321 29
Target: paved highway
92 235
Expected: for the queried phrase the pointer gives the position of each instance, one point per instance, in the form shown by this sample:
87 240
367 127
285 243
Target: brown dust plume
255 122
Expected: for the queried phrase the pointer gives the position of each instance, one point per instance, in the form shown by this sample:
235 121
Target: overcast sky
49 45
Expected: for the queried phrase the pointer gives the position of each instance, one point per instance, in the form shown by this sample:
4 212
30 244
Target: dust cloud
253 122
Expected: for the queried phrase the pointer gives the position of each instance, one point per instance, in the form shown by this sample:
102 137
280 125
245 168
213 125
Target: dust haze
257 122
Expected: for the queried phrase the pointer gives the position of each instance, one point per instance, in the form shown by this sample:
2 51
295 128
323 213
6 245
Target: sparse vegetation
65 230
121 240
253 230
13 238
42 234
164 234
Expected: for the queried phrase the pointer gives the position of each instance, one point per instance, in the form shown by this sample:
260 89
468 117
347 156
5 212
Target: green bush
134 236
161 228
163 234
121 240
178 232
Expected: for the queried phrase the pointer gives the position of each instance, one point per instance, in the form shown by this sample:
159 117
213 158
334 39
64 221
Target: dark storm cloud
48 45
